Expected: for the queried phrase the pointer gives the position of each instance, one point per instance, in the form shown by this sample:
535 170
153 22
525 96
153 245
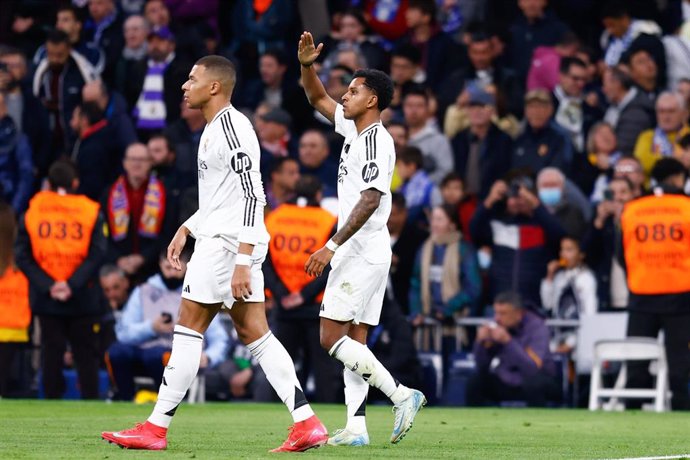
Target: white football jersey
366 161
231 195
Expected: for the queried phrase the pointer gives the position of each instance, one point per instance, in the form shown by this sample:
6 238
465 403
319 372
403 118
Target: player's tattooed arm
368 202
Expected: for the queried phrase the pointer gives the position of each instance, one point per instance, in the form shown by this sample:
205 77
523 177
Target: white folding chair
197 391
630 349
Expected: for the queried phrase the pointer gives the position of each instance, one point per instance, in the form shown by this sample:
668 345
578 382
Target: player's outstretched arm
316 93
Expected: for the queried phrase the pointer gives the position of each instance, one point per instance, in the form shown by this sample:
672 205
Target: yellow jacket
647 153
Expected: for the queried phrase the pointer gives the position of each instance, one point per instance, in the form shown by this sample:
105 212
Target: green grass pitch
71 430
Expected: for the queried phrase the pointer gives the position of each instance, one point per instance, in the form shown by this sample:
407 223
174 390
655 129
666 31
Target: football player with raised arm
225 269
360 251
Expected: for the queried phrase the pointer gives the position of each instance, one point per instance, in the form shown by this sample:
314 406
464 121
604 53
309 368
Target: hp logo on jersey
370 172
241 163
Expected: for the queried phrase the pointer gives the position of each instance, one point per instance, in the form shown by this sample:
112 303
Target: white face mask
484 259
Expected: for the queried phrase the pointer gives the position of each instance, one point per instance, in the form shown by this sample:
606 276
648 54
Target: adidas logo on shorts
186 289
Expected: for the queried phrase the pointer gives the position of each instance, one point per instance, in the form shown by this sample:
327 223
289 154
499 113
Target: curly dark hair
379 83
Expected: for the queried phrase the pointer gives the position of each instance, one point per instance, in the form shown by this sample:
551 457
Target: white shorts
209 274
355 290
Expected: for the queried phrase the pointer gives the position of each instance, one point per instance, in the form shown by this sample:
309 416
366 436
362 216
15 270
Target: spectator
281 187
93 152
545 67
164 166
602 158
29 115
114 108
424 134
185 135
452 192
572 111
15 313
445 280
152 104
70 22
135 30
677 47
482 151
405 66
137 207
272 84
536 26
612 287
631 169
622 33
351 33
569 291
115 286
643 72
301 223
406 239
314 160
417 188
64 289
521 233
16 164
658 288
440 54
629 111
58 80
551 191
519 339
190 44
541 143
156 13
273 132
104 30
484 70
145 332
671 125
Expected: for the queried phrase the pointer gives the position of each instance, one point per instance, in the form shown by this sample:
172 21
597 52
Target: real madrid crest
543 150
205 144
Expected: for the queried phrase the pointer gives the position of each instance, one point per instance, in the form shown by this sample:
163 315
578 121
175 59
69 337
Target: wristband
332 245
243 259
303 65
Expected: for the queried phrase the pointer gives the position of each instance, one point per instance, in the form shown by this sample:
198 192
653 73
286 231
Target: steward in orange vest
299 228
60 247
15 314
655 242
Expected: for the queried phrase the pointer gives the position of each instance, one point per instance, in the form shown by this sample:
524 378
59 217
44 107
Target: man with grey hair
519 340
671 120
553 193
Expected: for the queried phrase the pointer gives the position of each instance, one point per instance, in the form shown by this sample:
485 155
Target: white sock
280 372
359 359
178 374
356 391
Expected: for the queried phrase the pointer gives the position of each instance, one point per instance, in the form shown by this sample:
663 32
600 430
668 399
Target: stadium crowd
522 128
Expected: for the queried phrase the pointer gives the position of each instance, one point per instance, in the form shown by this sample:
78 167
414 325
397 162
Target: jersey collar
221 111
370 127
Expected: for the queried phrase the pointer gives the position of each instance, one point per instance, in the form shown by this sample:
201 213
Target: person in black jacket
482 152
406 239
60 247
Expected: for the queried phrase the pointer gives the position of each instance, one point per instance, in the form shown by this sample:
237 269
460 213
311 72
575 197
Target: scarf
617 47
450 282
152 213
661 145
150 109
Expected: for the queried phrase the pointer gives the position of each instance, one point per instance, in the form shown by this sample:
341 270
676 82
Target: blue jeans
127 361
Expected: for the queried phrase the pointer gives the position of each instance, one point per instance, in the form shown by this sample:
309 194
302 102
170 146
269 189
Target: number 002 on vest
656 244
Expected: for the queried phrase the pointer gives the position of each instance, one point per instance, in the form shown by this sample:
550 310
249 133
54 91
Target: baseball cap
479 96
162 32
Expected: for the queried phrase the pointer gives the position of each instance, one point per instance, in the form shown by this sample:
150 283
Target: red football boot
305 435
145 436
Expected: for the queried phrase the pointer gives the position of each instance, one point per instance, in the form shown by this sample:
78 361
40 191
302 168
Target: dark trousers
8 352
676 341
127 361
485 387
82 334
301 339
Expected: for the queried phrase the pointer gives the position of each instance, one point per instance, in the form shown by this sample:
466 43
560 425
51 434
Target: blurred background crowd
522 128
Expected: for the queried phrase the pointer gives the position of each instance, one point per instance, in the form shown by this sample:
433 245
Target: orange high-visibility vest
296 233
656 244
15 313
60 228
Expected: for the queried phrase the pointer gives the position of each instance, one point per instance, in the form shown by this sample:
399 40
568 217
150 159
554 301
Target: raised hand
306 52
